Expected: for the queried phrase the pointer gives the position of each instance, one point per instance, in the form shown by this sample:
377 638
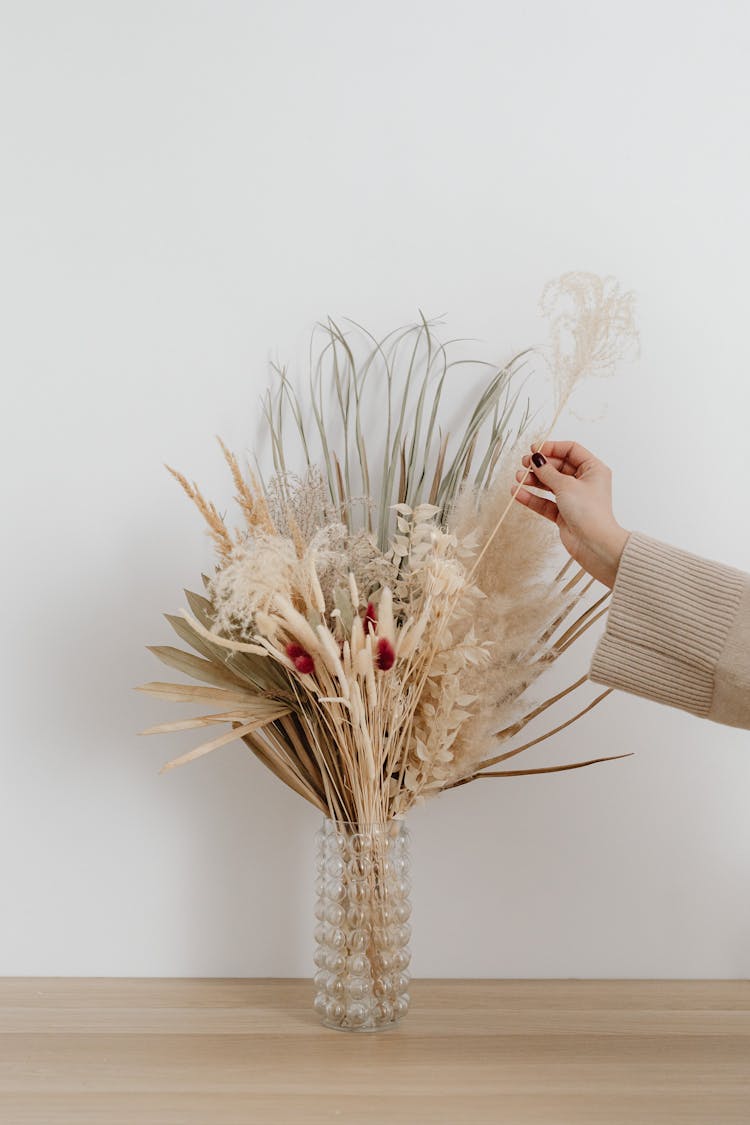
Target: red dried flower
385 654
371 618
300 658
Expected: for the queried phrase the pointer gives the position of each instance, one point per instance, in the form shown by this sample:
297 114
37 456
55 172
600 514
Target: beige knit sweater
678 632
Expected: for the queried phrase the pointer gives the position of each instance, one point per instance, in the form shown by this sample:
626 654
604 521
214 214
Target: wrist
612 547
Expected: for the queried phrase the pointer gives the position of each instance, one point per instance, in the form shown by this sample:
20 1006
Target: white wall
186 189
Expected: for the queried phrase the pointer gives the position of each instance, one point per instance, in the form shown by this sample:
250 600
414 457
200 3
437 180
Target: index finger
570 451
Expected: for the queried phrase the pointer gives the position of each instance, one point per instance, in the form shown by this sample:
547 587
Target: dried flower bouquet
373 629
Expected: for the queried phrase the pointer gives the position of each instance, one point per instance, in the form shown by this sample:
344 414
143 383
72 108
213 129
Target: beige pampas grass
592 327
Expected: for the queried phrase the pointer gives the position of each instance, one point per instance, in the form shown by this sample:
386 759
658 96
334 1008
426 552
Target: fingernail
539 459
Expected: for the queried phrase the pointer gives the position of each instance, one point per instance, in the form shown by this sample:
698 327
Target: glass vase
362 932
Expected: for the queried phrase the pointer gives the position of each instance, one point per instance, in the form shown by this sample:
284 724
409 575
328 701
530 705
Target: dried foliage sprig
367 633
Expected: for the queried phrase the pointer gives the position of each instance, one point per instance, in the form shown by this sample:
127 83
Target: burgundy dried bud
385 654
371 618
300 658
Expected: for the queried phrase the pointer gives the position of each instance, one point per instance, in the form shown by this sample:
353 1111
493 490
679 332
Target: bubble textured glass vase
362 932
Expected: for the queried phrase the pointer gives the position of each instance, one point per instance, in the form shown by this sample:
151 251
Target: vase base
360 1030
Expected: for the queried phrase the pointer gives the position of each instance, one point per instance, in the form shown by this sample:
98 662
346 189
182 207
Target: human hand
582 504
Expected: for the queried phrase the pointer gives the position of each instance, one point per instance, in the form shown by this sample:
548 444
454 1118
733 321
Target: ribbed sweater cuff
667 625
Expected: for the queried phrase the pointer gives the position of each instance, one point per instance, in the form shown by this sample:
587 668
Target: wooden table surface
235 1052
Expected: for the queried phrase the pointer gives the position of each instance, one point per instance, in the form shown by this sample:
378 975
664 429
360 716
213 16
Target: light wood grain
235 1052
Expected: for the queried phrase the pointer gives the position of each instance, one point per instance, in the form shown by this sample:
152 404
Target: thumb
547 473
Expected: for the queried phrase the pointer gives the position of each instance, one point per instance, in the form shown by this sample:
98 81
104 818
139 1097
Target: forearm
678 632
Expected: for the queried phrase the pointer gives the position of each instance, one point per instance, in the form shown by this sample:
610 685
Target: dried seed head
301 659
385 654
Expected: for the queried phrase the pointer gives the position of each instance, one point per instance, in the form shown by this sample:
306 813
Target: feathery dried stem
244 496
216 525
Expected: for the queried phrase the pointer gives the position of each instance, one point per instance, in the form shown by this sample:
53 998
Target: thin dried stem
272 760
557 622
564 569
438 470
554 650
514 728
568 638
552 769
541 737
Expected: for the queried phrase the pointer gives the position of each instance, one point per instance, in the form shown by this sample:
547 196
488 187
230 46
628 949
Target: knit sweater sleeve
678 632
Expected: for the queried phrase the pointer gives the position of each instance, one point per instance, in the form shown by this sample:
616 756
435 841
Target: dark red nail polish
539 459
